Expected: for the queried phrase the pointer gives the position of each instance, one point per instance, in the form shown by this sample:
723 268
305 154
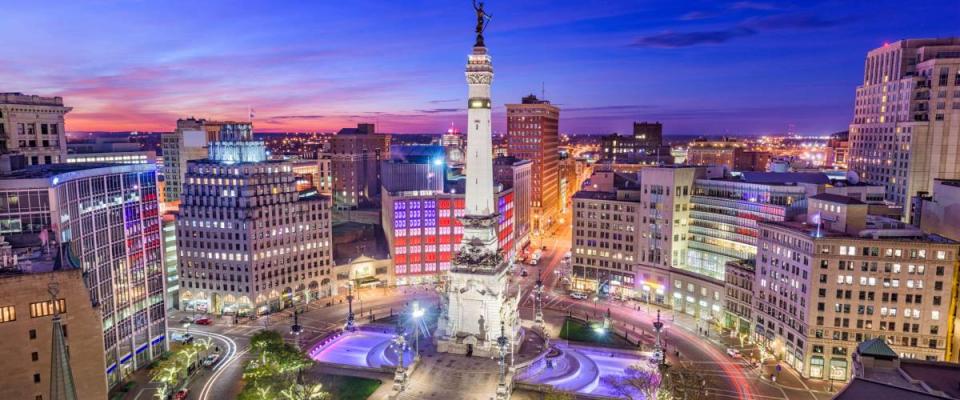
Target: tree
635 382
271 374
555 394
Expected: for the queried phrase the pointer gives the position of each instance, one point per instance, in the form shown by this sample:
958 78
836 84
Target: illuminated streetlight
417 314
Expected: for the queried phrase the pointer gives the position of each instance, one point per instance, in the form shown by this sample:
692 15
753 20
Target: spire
61 376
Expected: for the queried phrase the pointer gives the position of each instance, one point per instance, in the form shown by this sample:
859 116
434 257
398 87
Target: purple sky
701 67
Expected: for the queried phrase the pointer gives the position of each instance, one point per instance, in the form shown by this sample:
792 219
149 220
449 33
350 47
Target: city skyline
745 67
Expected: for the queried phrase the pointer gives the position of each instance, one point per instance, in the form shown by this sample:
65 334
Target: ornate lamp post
417 315
400 375
502 392
538 293
658 352
350 322
296 329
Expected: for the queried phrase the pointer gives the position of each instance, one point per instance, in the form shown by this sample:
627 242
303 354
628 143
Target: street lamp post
417 314
296 330
350 322
658 350
502 392
400 375
538 291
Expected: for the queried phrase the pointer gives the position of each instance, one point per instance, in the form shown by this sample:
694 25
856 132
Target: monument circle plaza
472 345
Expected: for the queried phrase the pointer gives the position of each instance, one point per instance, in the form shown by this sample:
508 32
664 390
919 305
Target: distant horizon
744 68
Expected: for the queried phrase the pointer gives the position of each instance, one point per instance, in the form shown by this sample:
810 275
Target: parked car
578 295
203 321
733 352
181 394
211 360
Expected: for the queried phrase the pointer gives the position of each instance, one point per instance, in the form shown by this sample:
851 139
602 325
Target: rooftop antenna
543 90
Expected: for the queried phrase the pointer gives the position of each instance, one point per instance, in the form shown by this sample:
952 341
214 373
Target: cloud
439 110
697 15
687 39
754 5
748 27
444 101
298 117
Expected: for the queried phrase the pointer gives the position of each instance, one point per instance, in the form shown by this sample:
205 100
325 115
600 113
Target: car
733 352
186 320
181 394
203 321
523 274
578 295
184 338
211 360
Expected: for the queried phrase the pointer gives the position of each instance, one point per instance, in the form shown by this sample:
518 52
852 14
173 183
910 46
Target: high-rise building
905 128
355 156
844 277
26 314
102 218
533 134
648 135
665 214
248 241
188 142
474 321
33 126
515 173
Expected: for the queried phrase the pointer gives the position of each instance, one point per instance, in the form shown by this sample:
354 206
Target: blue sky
701 67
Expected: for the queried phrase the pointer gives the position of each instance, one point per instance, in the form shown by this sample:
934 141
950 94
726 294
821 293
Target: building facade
355 156
718 152
533 134
188 142
424 230
845 277
26 311
33 126
105 219
517 174
170 263
904 131
248 242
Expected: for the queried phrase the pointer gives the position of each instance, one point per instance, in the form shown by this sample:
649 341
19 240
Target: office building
715 152
844 277
33 126
649 135
414 167
738 304
904 131
533 134
104 219
188 142
515 173
424 230
355 156
28 348
248 241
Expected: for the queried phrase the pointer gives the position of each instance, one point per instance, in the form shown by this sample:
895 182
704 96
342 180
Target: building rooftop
510 160
27 99
353 239
860 388
785 177
906 235
876 348
836 198
595 195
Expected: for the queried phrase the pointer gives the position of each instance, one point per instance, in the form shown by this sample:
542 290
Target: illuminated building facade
355 156
423 231
844 277
905 125
533 134
248 241
104 219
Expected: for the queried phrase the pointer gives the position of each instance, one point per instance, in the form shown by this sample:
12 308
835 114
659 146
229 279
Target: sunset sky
701 67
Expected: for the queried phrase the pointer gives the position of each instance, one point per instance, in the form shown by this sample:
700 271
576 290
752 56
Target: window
36 378
35 356
44 308
33 334
7 314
